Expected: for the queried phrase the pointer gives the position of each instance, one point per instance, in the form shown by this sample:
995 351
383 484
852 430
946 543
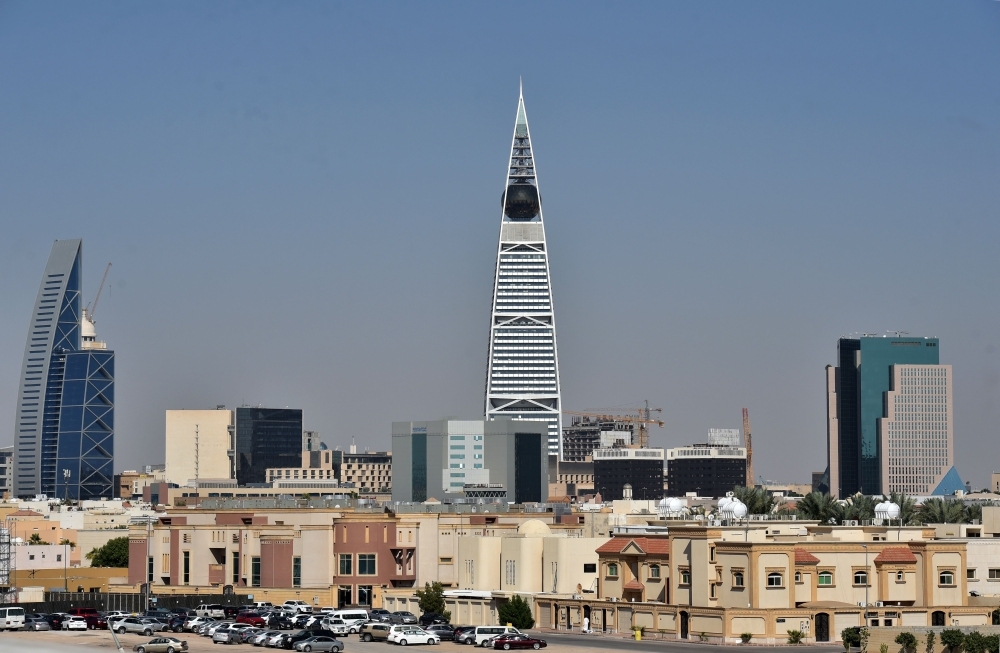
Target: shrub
907 640
952 639
746 637
702 637
795 636
992 643
974 642
851 637
865 634
883 648
929 642
516 612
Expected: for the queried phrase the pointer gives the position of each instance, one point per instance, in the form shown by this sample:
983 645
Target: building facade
642 469
64 427
522 378
586 434
438 459
889 418
367 471
198 444
6 471
263 438
705 469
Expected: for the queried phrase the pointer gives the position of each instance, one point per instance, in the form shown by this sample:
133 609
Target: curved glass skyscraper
64 427
522 378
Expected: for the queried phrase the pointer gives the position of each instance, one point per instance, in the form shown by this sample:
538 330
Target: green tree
908 641
517 613
36 539
952 639
758 500
113 554
907 508
860 507
432 599
851 636
940 511
819 506
973 513
974 642
66 542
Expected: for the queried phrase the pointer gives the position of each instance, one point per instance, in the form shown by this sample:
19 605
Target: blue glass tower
64 428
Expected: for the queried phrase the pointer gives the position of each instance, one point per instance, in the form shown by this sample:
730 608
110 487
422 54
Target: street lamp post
865 547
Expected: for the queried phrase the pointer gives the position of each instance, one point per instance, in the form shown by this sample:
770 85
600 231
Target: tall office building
889 418
448 457
64 427
522 379
263 438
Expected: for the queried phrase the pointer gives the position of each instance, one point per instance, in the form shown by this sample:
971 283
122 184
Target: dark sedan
444 632
507 642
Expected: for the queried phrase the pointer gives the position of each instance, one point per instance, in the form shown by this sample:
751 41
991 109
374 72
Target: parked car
55 620
335 626
75 623
297 605
248 633
230 611
11 618
211 610
374 631
483 633
403 617
223 634
444 631
430 618
161 645
36 623
252 618
415 636
194 623
379 614
507 642
134 625
320 643
209 629
278 621
290 641
261 605
397 630
260 638
182 611
276 640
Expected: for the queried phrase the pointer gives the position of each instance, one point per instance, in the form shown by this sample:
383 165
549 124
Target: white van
350 615
11 618
260 605
484 633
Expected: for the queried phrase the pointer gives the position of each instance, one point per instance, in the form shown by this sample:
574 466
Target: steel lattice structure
522 379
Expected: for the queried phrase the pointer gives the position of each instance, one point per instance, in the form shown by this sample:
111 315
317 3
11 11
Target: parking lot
66 642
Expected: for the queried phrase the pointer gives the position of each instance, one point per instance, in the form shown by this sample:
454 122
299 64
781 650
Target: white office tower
522 380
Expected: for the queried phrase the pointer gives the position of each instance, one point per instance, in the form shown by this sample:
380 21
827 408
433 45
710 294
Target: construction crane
748 441
641 419
91 310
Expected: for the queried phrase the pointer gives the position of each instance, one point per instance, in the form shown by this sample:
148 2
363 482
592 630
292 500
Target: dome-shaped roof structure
522 201
534 528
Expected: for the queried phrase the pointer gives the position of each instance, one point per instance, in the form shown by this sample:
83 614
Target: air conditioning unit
879 604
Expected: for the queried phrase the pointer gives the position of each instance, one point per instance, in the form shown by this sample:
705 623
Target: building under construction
586 434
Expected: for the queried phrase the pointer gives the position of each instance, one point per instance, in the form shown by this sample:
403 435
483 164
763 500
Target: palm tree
860 507
65 541
907 508
36 539
973 512
819 506
940 511
758 500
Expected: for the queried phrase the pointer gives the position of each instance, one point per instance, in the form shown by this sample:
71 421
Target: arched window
946 577
738 579
654 571
612 569
685 577
861 578
826 578
774 579
798 577
899 576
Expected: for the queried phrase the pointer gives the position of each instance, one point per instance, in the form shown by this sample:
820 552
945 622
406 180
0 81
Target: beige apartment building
197 445
766 578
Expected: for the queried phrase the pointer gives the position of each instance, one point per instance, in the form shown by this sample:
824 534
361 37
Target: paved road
599 642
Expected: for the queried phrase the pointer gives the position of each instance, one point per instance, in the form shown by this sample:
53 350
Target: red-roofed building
634 568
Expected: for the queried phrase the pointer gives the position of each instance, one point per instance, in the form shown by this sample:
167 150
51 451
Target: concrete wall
887 636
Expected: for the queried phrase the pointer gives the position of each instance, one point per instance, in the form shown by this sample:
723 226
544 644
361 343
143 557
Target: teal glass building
886 392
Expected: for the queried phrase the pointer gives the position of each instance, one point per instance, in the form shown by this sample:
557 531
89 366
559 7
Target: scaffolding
7 593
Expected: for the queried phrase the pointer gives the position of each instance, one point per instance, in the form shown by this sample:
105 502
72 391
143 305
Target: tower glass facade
866 429
522 379
266 437
64 444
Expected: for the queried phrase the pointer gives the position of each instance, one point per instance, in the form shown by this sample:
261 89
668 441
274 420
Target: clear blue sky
301 201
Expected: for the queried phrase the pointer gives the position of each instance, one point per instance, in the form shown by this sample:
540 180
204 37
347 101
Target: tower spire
522 380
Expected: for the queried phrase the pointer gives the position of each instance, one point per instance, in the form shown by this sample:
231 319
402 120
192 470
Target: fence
104 601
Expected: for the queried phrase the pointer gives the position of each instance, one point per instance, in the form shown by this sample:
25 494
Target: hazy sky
301 202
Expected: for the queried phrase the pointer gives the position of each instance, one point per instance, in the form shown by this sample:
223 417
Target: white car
335 626
74 623
415 636
297 606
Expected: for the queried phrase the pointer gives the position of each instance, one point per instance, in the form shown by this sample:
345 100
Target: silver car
36 623
224 635
260 639
319 643
135 625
